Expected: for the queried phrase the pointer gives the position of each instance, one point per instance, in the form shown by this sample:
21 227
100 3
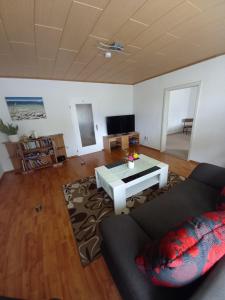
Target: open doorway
180 106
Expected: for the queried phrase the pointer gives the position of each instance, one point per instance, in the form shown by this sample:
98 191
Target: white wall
1 158
181 105
209 135
193 101
1 171
108 99
5 164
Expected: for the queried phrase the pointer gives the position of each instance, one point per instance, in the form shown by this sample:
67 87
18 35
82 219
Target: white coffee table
120 182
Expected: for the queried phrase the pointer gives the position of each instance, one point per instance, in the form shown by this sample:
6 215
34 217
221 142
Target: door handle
96 126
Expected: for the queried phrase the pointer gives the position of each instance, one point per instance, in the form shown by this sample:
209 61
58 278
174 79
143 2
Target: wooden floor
38 254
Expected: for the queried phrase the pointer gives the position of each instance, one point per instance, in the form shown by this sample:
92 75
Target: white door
86 129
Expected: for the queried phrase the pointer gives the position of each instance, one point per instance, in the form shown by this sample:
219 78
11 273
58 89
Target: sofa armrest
209 174
213 286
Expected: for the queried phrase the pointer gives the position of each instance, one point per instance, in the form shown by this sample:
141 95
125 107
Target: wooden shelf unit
122 140
34 154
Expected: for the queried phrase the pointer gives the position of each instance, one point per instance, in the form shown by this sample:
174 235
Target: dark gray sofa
124 236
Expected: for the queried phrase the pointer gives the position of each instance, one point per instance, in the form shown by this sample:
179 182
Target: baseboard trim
194 162
73 156
175 132
158 150
5 173
148 147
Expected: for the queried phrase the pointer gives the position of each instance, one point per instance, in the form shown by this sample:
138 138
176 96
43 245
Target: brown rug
88 206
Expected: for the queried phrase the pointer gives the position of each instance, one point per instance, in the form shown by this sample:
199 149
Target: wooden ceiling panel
47 40
18 19
176 16
152 10
4 43
25 53
210 31
114 16
21 70
116 70
156 59
210 46
201 21
52 12
98 61
58 39
132 49
96 3
45 67
205 4
145 73
107 67
79 24
7 65
156 45
88 51
177 48
129 31
31 70
74 70
64 60
126 74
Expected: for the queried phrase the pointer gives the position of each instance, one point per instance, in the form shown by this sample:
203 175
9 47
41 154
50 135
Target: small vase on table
130 163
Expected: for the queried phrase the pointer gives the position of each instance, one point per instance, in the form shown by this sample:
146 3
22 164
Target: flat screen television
120 124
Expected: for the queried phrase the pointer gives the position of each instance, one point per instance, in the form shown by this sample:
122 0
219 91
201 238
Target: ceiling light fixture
109 49
108 54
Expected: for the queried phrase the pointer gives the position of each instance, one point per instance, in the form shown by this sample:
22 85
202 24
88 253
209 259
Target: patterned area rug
88 206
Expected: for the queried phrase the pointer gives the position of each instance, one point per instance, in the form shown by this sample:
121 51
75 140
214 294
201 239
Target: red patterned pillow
221 200
186 252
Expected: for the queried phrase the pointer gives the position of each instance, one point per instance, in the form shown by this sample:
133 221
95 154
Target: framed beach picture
26 108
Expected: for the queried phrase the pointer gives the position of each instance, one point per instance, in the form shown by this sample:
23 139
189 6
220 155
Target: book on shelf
37 161
38 143
23 165
34 153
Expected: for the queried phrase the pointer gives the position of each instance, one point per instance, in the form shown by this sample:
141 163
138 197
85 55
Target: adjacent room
112 149
181 113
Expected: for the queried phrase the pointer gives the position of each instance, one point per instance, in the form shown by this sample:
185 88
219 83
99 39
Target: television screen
120 124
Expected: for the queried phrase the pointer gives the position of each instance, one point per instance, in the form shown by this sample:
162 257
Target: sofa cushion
123 239
186 252
209 174
186 199
221 200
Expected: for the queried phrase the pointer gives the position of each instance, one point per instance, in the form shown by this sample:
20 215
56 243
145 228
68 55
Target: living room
86 181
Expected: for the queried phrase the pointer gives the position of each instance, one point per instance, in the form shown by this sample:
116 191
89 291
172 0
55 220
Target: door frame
80 150
166 100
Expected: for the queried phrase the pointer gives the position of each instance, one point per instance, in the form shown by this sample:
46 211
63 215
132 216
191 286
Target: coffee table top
142 166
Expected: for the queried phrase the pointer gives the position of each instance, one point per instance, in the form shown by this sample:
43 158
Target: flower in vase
135 155
130 158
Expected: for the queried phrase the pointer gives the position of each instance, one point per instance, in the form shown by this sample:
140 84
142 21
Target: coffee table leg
97 180
119 199
163 177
